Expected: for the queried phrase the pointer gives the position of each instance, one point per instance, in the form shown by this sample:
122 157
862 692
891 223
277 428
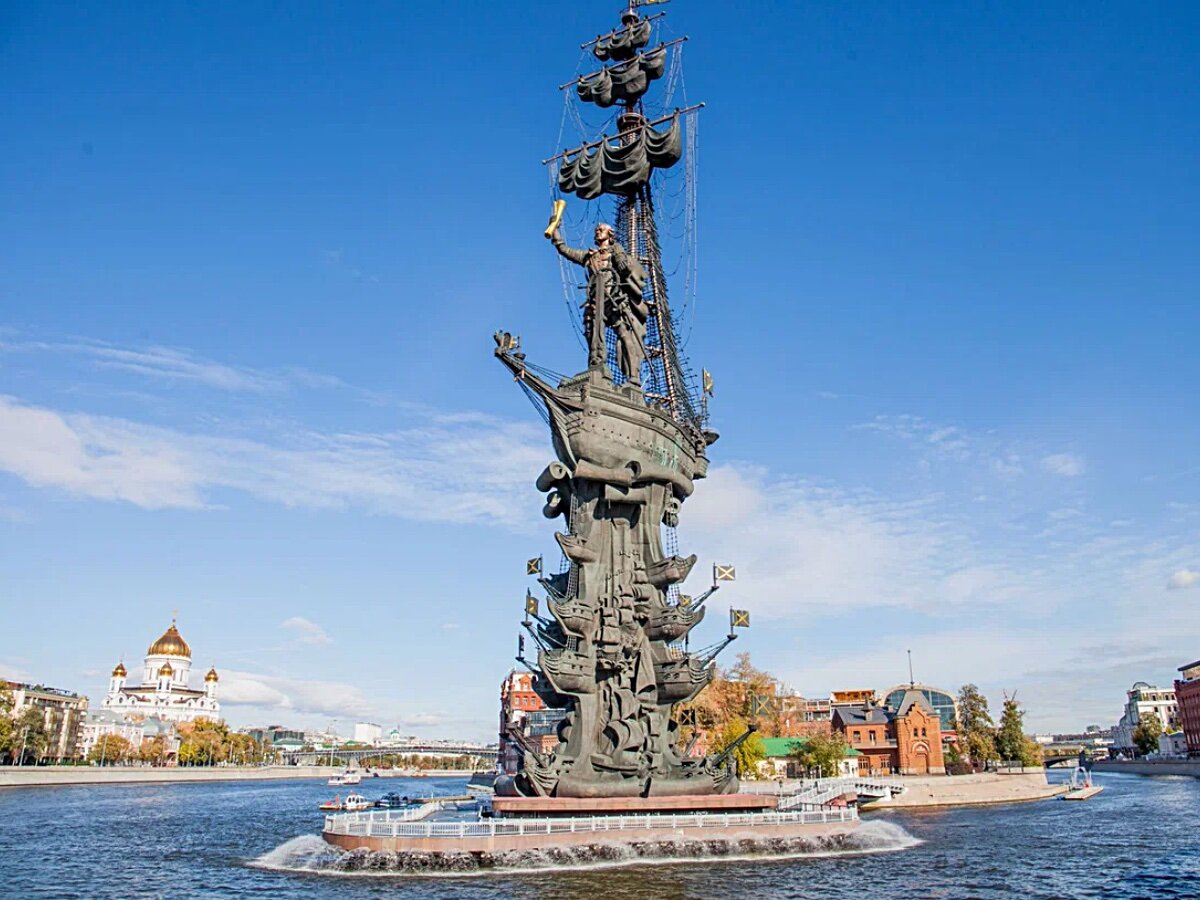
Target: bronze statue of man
614 299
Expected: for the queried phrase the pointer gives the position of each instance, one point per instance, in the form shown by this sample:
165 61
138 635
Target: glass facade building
943 702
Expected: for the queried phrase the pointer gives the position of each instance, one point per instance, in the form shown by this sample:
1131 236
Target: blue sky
251 257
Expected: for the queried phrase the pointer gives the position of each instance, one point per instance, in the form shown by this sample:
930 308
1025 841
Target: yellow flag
708 381
534 566
531 604
739 618
724 573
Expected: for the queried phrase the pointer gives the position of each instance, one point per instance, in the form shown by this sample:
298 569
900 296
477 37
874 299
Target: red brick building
522 712
906 740
1187 698
802 716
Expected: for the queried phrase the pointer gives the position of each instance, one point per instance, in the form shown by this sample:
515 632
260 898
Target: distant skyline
251 258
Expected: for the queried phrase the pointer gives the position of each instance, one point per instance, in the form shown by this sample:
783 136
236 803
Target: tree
820 753
153 750
1147 733
109 750
203 743
976 731
6 719
729 696
751 751
1011 741
29 738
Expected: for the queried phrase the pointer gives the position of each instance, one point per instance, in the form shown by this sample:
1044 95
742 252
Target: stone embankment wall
1150 766
972 790
45 776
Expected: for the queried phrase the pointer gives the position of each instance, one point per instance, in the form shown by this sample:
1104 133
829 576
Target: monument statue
615 282
629 443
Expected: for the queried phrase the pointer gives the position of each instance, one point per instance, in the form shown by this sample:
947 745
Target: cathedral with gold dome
165 690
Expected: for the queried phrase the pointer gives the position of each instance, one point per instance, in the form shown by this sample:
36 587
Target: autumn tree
153 751
748 754
1147 733
976 730
109 750
730 696
203 743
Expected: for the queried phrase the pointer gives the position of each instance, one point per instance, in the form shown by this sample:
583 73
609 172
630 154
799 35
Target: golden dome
166 670
170 644
212 675
119 671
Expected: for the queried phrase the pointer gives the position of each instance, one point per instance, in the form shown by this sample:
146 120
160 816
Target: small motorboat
352 803
392 800
1081 787
345 778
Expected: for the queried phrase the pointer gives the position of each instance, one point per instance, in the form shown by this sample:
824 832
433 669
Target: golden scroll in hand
555 218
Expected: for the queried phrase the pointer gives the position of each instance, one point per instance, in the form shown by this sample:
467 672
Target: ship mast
631 156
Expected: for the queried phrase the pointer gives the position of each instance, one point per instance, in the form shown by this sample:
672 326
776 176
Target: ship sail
625 82
623 43
622 168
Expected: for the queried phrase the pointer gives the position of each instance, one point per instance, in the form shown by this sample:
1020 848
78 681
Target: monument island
609 639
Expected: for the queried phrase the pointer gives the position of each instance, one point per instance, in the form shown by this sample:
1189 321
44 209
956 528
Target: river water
1139 838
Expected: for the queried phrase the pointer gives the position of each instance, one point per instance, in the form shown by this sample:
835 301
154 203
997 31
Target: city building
137 730
1187 699
165 689
944 703
1172 745
525 721
62 720
368 733
857 696
1145 699
104 722
803 716
906 738
277 737
779 762
323 740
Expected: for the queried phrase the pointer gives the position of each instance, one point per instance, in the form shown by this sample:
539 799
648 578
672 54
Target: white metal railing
822 790
375 824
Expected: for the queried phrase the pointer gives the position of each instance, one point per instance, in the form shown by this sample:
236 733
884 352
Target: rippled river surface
1139 838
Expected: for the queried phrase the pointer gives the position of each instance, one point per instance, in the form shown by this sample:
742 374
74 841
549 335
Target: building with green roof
779 764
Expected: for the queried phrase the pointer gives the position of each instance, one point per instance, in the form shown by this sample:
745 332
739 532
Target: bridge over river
360 755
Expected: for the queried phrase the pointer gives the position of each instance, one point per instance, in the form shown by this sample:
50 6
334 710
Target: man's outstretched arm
574 254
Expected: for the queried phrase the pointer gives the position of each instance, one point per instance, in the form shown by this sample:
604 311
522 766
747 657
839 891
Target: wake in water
310 854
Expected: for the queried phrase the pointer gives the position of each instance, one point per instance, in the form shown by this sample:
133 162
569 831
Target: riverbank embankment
1190 767
980 789
52 776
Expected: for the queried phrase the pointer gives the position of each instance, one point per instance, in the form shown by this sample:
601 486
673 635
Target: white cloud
14 672
802 550
449 469
1069 465
1184 578
103 459
306 632
299 696
172 364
